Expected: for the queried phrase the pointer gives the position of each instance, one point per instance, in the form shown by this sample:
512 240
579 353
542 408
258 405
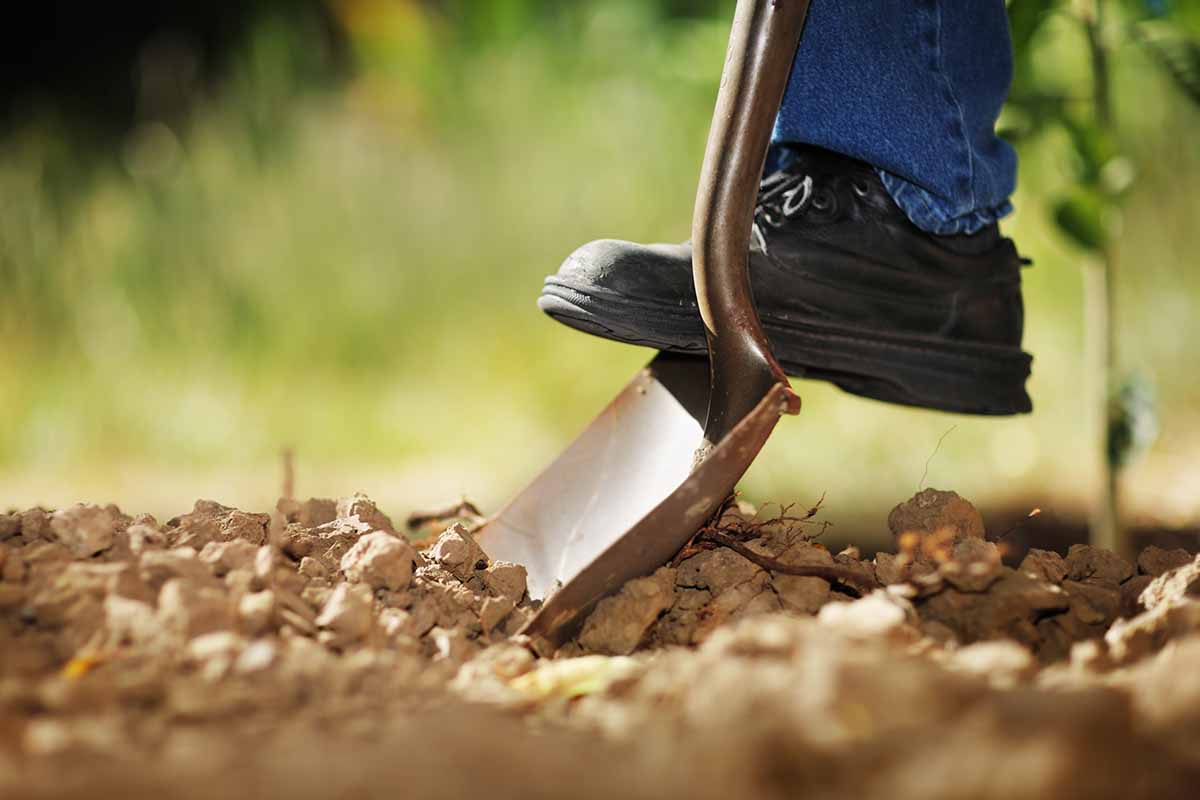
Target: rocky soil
317 651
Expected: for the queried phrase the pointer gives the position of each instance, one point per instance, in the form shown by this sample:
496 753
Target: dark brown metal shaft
762 46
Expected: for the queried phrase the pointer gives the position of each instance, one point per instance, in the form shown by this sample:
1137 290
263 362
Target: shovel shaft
762 46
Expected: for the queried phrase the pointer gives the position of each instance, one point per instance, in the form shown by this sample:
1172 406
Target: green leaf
1093 145
1178 55
1132 420
1080 215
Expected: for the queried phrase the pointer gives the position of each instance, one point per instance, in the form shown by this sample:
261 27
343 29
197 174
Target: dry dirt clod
223 557
156 567
458 553
131 621
191 610
144 536
87 529
760 700
1176 586
1154 561
1044 564
361 506
10 526
1090 564
35 524
308 513
879 613
312 569
1009 608
346 616
380 560
620 622
255 612
493 612
507 580
932 513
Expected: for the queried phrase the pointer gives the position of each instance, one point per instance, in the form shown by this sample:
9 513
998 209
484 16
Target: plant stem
1104 519
1103 516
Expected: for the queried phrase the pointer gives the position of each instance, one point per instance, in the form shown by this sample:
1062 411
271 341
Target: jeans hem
930 214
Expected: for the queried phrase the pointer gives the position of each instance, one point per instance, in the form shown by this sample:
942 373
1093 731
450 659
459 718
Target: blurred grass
350 270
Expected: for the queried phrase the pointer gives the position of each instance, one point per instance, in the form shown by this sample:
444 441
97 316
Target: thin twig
289 474
929 460
464 509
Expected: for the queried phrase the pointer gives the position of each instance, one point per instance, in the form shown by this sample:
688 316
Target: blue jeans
912 87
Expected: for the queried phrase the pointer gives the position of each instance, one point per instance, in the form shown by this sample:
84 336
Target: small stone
255 612
144 536
1092 603
265 563
361 506
1044 564
312 569
309 513
156 567
192 610
458 553
35 524
1153 561
223 557
974 565
505 579
1003 663
347 614
256 657
452 645
85 529
297 543
880 612
1150 631
890 569
220 644
272 570
380 560
494 610
131 620
10 526
239 581
1179 585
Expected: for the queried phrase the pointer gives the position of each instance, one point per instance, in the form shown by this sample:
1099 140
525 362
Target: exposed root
856 580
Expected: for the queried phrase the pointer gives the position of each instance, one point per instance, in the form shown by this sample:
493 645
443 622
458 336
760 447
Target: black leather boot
848 289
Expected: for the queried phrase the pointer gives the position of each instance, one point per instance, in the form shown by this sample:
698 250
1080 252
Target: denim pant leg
914 88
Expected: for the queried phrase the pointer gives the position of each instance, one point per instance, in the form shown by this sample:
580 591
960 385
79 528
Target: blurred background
231 229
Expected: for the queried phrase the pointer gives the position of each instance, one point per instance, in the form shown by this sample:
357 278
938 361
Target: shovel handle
762 47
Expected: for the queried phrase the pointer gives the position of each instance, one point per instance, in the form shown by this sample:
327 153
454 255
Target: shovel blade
623 498
636 452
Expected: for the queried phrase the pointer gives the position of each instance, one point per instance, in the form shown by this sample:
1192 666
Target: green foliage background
342 258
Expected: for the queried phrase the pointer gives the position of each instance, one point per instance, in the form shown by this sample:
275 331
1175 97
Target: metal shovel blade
656 464
623 498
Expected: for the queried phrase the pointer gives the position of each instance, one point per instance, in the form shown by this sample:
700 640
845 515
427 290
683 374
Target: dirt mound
317 651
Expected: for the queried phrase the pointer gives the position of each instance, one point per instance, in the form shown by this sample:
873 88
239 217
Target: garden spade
662 458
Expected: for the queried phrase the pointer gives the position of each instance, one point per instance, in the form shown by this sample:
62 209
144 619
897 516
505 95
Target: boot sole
965 378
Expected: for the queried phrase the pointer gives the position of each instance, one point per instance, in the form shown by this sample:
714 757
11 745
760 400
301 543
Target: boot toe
615 269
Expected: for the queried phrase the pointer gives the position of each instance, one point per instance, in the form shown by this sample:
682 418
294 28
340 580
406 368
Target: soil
318 651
